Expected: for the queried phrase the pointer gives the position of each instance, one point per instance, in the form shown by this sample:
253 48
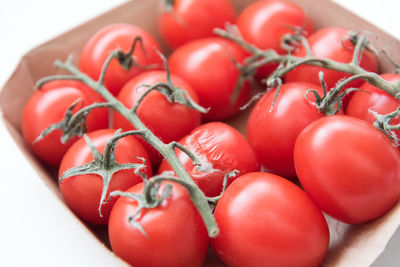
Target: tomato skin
222 146
272 134
348 167
109 38
48 106
265 220
194 19
375 99
82 193
168 121
207 65
177 236
327 43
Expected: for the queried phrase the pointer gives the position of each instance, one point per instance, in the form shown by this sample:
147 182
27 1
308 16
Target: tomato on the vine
208 66
348 167
118 36
266 220
48 106
182 21
82 193
220 149
175 235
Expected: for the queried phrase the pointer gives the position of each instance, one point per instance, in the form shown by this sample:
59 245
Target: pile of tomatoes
294 164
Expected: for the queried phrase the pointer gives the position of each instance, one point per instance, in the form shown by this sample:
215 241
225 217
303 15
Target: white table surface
30 221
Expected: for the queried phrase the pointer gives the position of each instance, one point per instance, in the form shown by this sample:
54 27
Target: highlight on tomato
48 106
266 220
348 167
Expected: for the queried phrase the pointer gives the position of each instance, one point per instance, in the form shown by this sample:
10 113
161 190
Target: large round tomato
208 66
168 121
266 220
118 36
348 167
264 23
272 133
375 99
48 106
175 233
187 20
327 43
220 149
82 193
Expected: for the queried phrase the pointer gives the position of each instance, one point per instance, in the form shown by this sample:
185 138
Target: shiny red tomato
186 20
265 220
272 134
120 36
264 23
82 193
207 65
327 43
348 167
221 149
176 234
375 99
48 106
168 121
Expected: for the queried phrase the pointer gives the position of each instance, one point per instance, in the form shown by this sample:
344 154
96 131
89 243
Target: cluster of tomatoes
346 168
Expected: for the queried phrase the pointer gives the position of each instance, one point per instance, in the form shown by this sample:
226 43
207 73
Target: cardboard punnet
356 245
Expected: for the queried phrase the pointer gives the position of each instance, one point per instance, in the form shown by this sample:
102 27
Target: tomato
187 20
221 149
265 220
48 106
272 134
207 65
176 234
109 38
271 18
348 167
375 99
82 193
168 121
327 43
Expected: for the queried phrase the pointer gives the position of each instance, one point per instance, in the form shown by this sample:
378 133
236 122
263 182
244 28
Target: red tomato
176 235
82 193
327 43
168 121
265 220
271 18
375 99
187 20
348 167
207 65
120 36
219 147
272 134
48 106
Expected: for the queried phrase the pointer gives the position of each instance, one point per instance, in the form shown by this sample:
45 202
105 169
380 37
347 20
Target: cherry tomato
264 23
176 235
221 149
207 65
186 20
327 43
375 99
82 193
168 121
348 167
272 133
120 36
48 106
265 220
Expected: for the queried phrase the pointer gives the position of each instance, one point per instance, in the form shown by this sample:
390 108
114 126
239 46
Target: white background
33 230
